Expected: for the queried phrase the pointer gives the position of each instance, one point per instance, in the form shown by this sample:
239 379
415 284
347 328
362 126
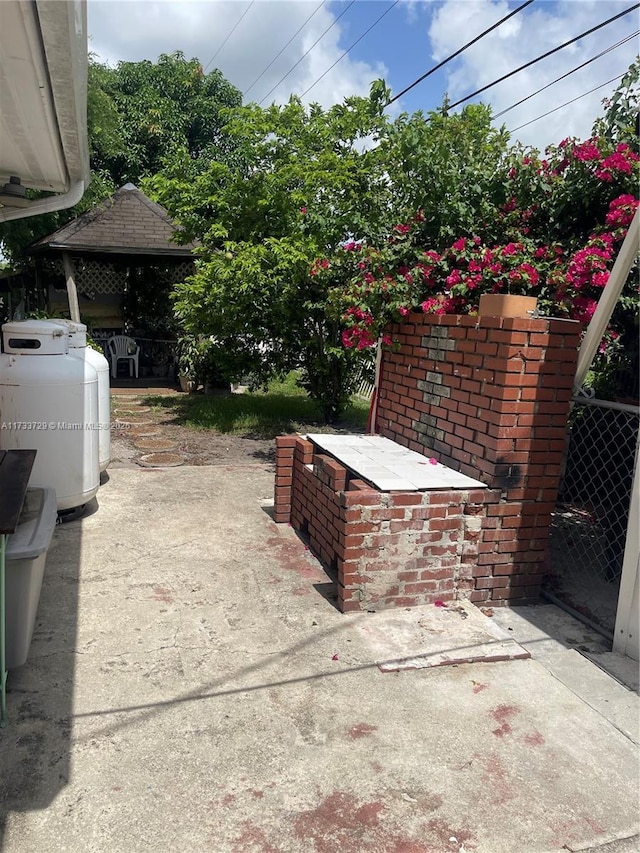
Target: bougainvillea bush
562 224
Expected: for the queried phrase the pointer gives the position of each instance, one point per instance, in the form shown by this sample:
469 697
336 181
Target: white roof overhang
43 102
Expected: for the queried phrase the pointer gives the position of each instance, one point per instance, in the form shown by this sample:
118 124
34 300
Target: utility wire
260 76
233 29
377 21
572 101
346 9
573 70
458 52
544 56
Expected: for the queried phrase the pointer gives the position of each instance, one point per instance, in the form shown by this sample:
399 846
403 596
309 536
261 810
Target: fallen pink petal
433 461
438 603
334 657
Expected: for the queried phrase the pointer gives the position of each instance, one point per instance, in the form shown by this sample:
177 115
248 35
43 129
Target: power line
346 9
573 70
260 76
572 101
544 56
233 29
377 21
458 52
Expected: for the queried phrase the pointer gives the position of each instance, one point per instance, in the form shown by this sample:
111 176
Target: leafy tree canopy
303 181
139 113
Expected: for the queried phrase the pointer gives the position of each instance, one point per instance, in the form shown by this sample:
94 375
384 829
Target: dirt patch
194 446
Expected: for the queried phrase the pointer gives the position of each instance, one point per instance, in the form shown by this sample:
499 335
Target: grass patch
283 408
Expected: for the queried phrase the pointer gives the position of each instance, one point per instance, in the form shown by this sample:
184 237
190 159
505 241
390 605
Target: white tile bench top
390 466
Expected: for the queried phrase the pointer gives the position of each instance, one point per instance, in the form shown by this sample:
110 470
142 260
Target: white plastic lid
77 332
35 337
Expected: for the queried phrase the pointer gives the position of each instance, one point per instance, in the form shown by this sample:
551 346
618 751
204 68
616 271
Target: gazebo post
72 293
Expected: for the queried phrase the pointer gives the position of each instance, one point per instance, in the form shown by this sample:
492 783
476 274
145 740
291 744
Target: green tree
142 112
303 181
621 119
450 167
138 114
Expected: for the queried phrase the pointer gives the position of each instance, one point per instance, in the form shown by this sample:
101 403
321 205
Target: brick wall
488 397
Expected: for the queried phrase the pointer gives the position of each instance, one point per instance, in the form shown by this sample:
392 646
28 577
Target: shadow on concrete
549 628
35 746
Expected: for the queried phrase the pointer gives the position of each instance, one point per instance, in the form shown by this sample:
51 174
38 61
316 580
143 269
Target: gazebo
117 262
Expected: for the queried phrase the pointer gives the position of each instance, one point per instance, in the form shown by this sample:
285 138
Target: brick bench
384 548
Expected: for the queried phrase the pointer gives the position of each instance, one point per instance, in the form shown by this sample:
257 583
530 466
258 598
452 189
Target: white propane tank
45 405
78 348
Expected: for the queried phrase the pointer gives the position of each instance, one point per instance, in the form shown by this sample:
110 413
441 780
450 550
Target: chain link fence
589 527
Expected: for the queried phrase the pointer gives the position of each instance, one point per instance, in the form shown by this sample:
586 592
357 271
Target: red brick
405 499
286 441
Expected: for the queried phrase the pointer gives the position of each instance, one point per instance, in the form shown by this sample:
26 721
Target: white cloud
138 30
541 27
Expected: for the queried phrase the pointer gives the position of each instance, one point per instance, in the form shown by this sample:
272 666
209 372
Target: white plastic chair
123 348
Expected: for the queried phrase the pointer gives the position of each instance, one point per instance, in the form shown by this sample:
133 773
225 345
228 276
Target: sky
272 49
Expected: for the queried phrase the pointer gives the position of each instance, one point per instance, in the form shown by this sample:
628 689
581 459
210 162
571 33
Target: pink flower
432 306
303 210
403 310
433 461
621 211
583 308
510 249
586 151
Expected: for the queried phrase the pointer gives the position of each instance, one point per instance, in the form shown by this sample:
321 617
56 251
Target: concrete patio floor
192 687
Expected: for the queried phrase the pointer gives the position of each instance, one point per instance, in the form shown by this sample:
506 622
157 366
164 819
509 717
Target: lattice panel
98 277
182 271
91 276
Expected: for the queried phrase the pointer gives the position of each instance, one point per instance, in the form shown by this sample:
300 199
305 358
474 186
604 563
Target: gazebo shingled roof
127 223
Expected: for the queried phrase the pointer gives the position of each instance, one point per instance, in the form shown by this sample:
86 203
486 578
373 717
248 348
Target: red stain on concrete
595 827
376 767
257 793
533 738
478 686
361 730
252 839
228 799
161 593
343 824
302 590
443 832
291 555
502 714
566 833
496 778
